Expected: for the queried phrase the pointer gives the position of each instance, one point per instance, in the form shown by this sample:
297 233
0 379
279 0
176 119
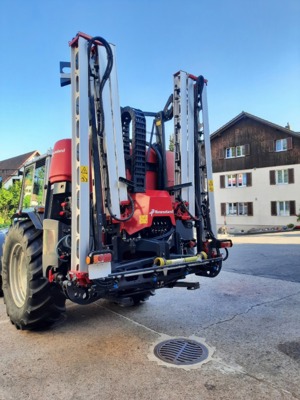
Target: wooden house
9 168
256 166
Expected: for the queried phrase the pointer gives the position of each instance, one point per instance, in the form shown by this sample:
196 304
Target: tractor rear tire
31 301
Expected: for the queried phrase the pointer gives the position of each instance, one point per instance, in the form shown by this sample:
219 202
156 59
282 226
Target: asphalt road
248 317
260 255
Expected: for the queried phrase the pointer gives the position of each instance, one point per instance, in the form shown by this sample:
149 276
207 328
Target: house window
231 209
283 208
281 145
242 180
230 181
240 151
230 152
236 180
236 209
235 151
243 208
282 176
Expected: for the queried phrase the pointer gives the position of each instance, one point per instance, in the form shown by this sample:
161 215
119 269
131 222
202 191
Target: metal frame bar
184 136
113 136
190 145
113 147
80 236
208 162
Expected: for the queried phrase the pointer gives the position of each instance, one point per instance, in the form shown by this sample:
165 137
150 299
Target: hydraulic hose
97 115
122 219
106 74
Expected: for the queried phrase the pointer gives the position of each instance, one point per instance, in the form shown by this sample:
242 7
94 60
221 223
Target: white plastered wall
261 193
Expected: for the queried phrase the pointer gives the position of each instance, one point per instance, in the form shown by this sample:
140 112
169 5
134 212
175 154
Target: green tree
171 143
9 202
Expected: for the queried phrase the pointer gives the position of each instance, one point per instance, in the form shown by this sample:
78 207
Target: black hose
199 89
97 115
101 122
226 254
106 75
122 219
166 234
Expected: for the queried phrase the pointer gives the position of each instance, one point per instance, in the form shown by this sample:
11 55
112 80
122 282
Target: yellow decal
143 219
158 122
210 185
84 173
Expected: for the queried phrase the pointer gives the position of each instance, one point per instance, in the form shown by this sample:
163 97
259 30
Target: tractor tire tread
43 303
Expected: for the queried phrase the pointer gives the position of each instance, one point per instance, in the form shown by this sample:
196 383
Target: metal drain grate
181 351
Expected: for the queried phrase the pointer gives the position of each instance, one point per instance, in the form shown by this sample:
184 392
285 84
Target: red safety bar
74 41
191 76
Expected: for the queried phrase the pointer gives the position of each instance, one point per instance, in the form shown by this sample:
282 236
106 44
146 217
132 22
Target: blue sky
249 50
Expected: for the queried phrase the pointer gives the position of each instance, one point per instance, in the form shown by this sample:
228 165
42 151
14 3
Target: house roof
10 166
243 115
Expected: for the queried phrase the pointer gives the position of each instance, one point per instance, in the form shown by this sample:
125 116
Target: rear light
99 264
98 258
222 244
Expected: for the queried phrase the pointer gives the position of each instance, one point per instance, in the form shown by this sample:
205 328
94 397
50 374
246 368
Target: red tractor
112 213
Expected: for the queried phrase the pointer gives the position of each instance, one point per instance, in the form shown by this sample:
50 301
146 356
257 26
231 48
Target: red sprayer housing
151 174
60 169
170 158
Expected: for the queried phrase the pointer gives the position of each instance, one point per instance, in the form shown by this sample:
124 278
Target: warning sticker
143 219
210 185
84 173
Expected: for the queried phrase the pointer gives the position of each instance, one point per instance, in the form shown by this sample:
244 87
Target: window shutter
289 143
291 175
222 181
223 209
249 179
247 149
273 208
272 177
292 207
250 209
271 145
221 153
